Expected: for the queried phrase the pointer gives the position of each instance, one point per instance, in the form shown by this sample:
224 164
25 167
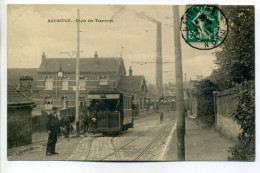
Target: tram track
115 148
89 147
152 142
117 151
140 134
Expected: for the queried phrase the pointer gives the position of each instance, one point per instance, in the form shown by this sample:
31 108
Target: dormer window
82 83
103 80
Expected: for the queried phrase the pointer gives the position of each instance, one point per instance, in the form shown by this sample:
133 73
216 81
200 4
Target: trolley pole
179 86
77 77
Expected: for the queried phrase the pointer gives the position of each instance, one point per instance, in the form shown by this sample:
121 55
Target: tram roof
106 90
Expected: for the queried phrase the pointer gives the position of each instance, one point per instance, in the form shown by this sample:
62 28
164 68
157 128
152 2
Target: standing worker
161 117
86 123
53 128
67 126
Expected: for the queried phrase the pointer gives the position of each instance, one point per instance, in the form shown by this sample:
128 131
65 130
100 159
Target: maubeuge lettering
59 20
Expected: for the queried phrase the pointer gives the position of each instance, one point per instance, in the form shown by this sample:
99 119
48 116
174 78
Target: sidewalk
202 143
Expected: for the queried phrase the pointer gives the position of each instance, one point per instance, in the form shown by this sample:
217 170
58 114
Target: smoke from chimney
119 11
142 15
159 80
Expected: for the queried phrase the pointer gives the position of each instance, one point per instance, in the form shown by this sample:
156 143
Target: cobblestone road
147 141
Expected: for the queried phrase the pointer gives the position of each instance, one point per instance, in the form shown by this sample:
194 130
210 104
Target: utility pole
179 86
77 78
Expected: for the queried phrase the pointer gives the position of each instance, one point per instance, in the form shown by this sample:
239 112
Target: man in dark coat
53 128
85 122
67 126
161 117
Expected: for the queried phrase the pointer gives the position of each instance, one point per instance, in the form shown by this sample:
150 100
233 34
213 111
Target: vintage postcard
131 82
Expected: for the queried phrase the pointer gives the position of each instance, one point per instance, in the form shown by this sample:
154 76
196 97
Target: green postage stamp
204 26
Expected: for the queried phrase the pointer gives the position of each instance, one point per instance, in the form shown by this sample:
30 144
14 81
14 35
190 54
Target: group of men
54 126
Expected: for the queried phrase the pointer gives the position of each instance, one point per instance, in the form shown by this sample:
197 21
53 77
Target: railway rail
117 151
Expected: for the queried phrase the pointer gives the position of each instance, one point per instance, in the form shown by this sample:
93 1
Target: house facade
135 85
56 80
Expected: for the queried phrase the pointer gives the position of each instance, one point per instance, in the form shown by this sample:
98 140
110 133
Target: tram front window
102 105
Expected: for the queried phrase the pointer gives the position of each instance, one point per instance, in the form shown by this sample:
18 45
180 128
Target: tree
204 92
244 149
236 57
236 61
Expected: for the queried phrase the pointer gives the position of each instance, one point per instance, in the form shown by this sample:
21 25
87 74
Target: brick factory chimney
43 57
159 80
130 71
96 55
25 85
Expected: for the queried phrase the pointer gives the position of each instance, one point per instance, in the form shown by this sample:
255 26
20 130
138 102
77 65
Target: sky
133 28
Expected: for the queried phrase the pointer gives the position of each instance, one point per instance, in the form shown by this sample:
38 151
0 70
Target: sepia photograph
130 82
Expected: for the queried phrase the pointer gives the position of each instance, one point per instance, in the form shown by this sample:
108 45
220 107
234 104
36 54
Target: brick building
135 85
56 80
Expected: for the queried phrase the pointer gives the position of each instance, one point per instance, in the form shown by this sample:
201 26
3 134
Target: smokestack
159 80
130 72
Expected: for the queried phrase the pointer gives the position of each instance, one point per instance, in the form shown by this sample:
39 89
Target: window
82 103
48 103
82 84
127 101
65 84
64 102
48 83
103 80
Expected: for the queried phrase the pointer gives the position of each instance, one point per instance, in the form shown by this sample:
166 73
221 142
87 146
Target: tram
110 111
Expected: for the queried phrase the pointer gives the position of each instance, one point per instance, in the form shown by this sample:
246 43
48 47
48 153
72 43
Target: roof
100 64
104 90
14 74
14 97
131 83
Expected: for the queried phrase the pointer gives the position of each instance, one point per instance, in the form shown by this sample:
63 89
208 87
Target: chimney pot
25 85
43 57
96 55
130 71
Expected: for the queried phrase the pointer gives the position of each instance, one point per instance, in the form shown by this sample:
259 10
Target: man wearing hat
53 128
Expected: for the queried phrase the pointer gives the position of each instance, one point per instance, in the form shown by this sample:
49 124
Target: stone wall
19 126
226 102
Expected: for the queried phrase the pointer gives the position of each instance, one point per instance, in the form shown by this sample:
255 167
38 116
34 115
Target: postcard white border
122 167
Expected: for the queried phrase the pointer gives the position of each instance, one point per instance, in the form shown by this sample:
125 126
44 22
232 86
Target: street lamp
60 75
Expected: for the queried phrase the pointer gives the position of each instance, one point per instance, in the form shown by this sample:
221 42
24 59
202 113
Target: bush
244 149
204 92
